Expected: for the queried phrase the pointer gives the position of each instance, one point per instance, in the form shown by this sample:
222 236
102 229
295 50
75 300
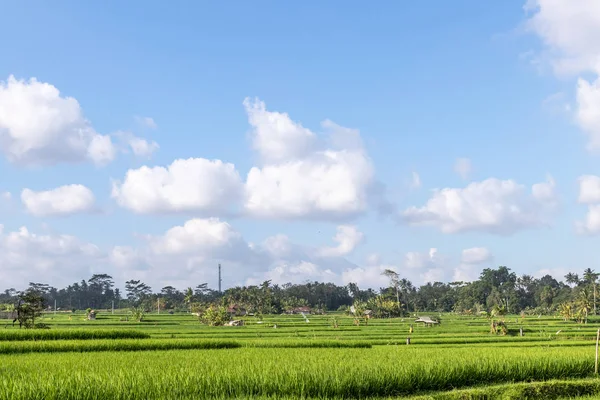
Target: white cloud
327 185
64 200
6 196
56 259
588 111
302 177
591 224
142 147
190 253
347 237
275 136
192 185
471 263
38 126
283 272
462 167
198 236
370 276
556 273
493 205
589 189
476 255
570 31
147 122
299 176
101 150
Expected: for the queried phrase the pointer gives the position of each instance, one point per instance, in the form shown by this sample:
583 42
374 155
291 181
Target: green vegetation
71 334
177 357
501 336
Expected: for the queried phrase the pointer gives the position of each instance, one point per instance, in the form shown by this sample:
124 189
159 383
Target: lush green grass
82 346
552 389
267 372
70 334
175 357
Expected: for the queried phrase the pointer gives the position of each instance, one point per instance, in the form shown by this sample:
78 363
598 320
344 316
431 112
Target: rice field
175 357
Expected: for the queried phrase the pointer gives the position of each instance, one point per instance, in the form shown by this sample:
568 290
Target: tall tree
395 283
591 277
137 291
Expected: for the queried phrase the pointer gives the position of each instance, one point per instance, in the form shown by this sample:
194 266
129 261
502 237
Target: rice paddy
175 357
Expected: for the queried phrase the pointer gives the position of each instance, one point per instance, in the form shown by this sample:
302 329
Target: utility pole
113 307
158 305
220 279
54 306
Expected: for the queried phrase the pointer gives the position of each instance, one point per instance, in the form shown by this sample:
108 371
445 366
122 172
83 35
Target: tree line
574 297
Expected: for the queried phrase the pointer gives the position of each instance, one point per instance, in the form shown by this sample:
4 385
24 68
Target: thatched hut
427 321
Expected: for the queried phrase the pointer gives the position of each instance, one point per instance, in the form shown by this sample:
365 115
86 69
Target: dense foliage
574 298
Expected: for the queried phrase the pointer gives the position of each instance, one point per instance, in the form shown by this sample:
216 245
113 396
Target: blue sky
425 83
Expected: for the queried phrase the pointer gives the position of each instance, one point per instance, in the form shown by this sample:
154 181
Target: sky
311 141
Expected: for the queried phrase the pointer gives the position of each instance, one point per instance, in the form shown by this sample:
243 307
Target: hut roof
426 320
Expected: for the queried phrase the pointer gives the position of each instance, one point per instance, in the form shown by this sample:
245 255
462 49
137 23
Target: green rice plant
552 389
301 373
83 346
66 334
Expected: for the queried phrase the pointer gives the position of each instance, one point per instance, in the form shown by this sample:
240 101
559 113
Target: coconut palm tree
590 277
584 305
189 296
572 279
566 311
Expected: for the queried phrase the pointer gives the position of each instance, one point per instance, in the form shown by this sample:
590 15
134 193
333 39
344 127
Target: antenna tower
220 280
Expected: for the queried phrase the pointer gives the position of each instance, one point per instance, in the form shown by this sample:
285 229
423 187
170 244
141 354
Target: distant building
236 310
426 321
300 310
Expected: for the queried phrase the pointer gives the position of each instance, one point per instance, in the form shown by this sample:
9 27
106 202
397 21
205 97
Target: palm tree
566 311
583 305
395 283
590 277
189 296
572 279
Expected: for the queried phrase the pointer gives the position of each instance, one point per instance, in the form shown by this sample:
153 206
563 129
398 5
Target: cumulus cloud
569 32
493 205
418 267
275 136
39 126
299 176
6 196
591 223
29 257
589 193
588 111
462 167
302 177
61 201
143 148
589 189
347 237
190 253
476 255
471 263
187 185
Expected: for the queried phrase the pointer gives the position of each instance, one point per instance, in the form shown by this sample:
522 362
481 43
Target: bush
215 316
